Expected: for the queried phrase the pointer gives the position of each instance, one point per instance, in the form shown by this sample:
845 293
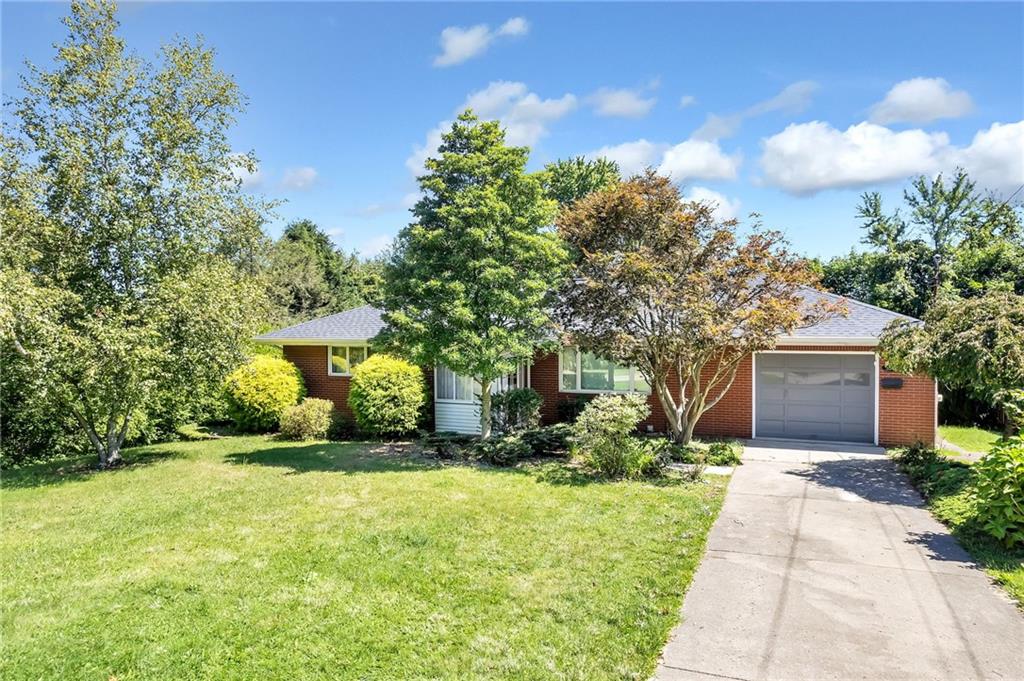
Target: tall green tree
129 250
569 180
309 277
659 284
468 284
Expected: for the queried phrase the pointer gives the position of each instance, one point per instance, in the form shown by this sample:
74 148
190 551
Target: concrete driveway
824 564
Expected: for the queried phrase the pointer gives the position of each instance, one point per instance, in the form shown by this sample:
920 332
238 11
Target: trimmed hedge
259 392
386 395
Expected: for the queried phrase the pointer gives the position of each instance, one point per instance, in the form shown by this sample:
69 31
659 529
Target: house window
452 387
342 359
586 372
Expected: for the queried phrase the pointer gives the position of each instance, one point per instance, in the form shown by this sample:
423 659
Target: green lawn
945 485
249 558
969 437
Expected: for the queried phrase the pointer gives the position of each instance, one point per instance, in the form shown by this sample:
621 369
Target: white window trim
579 378
473 400
330 364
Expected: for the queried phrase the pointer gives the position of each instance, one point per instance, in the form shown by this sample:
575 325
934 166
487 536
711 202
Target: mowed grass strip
246 557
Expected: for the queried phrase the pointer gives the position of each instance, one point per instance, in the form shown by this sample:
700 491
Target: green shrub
548 441
999 491
386 394
647 458
259 392
342 427
515 410
307 420
505 450
724 453
603 432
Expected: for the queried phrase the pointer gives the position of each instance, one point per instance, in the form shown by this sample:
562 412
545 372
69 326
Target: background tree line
946 246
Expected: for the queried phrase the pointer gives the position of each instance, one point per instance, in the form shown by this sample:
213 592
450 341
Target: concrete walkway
824 564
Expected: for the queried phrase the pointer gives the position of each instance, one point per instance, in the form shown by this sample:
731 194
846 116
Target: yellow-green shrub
259 392
310 419
386 395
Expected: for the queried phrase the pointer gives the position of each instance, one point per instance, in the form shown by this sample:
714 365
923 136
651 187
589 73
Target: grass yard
246 557
945 485
969 437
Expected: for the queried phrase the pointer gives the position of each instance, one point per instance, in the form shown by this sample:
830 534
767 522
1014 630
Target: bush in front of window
259 392
603 433
386 395
515 410
307 420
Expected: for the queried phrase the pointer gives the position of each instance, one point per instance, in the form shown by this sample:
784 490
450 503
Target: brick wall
312 362
905 415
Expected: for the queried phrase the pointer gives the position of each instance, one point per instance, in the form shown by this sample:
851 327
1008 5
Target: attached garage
816 396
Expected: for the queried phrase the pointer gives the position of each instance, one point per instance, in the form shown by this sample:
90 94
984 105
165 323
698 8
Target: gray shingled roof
863 320
357 324
363 323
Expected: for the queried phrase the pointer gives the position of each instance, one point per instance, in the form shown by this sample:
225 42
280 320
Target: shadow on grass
61 471
338 457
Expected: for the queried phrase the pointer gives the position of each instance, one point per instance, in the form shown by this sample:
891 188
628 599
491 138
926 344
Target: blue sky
789 110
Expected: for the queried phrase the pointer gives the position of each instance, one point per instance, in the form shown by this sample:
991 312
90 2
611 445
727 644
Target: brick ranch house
824 382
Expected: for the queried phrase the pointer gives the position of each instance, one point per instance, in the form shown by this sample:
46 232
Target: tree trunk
485 409
673 411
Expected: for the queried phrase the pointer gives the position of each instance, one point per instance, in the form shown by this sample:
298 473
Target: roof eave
827 340
311 341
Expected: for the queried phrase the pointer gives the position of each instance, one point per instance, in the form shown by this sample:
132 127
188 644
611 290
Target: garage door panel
815 396
817 413
772 411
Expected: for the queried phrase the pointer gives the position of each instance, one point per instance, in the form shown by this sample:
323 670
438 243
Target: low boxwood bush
515 410
307 420
999 491
550 440
504 450
386 395
259 392
603 433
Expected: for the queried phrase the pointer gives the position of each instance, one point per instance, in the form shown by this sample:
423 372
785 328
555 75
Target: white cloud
301 177
632 157
793 98
810 157
724 209
515 26
623 103
687 100
459 44
699 160
375 245
523 114
688 160
921 100
995 157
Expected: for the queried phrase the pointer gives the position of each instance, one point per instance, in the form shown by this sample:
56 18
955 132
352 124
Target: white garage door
817 397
